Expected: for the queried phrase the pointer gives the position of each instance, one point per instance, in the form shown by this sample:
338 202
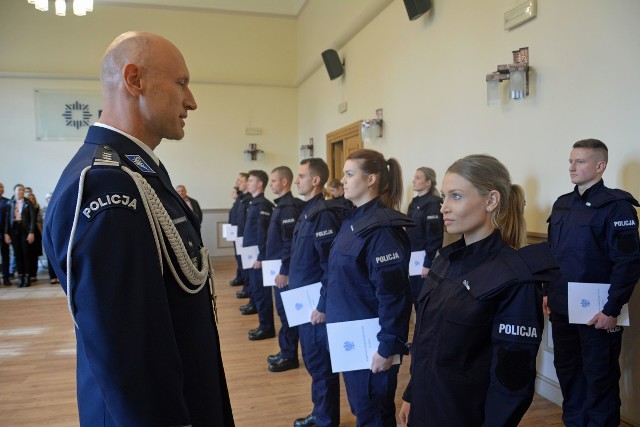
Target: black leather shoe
6 282
262 335
273 358
254 331
284 365
248 309
308 421
242 294
236 282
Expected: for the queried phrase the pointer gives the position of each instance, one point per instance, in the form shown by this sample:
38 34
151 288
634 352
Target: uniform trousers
21 248
261 296
287 336
325 385
586 361
372 396
239 274
4 253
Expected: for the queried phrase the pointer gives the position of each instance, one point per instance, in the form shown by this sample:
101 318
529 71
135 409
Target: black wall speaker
417 8
333 63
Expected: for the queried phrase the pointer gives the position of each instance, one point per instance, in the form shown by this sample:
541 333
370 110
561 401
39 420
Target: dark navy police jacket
280 233
479 326
148 353
428 233
257 224
316 229
369 273
594 237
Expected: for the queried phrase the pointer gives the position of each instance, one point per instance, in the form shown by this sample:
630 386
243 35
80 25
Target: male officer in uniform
148 350
593 233
255 234
237 209
279 238
316 229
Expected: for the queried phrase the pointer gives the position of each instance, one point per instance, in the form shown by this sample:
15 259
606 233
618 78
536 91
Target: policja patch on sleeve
106 201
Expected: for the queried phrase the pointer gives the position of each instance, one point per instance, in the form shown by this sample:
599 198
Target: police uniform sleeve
287 226
433 231
516 335
124 322
624 254
388 265
325 231
264 218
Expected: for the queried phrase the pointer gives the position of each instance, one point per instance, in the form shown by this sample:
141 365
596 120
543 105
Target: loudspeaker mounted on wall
417 8
332 61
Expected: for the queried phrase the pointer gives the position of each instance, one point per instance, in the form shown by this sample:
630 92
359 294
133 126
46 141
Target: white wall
429 77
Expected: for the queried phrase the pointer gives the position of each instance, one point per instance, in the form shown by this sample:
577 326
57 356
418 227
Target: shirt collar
139 143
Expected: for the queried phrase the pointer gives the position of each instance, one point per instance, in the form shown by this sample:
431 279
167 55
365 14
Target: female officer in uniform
426 236
368 278
479 319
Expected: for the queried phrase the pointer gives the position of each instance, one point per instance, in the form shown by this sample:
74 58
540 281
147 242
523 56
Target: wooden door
341 143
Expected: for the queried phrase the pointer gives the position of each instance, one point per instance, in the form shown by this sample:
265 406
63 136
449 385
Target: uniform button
190 243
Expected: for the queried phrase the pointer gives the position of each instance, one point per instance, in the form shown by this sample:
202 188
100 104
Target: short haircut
334 183
317 167
596 145
284 172
244 175
261 175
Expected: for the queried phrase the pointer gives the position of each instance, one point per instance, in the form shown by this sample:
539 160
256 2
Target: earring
488 209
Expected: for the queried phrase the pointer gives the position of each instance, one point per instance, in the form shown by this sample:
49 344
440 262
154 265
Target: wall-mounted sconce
306 151
372 129
517 74
253 153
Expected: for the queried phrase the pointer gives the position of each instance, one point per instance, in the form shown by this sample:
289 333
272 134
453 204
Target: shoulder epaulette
381 218
610 195
106 156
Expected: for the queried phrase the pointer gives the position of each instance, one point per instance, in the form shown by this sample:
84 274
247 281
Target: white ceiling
290 8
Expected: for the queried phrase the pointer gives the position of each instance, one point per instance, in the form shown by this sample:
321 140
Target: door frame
338 136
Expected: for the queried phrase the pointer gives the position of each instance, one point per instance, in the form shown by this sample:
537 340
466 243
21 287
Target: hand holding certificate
249 255
587 299
300 302
416 262
270 269
352 344
229 232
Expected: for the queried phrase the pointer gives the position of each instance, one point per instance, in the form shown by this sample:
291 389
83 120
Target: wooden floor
37 365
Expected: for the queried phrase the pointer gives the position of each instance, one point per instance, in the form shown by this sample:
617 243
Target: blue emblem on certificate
139 162
299 306
585 303
349 345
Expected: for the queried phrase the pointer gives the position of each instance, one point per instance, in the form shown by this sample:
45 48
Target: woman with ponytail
479 318
427 235
368 278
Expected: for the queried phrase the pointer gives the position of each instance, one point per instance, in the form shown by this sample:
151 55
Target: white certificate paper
249 255
415 263
270 269
353 343
239 245
586 299
229 232
300 302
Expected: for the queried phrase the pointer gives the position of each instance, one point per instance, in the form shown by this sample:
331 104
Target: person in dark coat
369 278
479 320
128 253
427 235
20 232
4 246
190 201
593 233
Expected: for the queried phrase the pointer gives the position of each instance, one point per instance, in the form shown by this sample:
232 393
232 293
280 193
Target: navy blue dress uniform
236 210
426 236
255 234
245 199
148 352
316 229
594 237
369 278
479 326
4 247
19 230
279 242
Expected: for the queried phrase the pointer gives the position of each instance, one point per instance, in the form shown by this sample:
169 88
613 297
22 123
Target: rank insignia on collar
139 162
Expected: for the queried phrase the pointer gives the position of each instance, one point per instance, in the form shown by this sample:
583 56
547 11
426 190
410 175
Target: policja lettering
323 233
388 257
520 330
625 223
106 201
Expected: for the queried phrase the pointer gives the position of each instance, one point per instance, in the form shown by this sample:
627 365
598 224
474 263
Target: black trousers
586 361
21 249
6 259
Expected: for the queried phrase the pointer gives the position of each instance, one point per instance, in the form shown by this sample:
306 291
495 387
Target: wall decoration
65 115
